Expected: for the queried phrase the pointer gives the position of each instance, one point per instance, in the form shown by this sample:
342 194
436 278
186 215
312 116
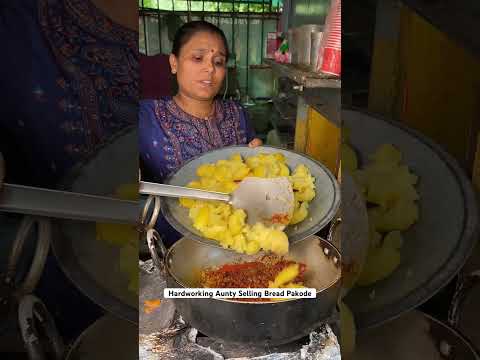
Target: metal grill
245 24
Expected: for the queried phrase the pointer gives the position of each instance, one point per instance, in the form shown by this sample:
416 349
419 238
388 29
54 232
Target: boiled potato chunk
206 170
388 185
382 261
387 153
236 222
285 276
124 236
401 216
219 221
300 212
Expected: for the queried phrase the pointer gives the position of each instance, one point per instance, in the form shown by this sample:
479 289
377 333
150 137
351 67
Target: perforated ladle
269 201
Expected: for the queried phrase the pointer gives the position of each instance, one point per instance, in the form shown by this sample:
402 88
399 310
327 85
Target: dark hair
187 30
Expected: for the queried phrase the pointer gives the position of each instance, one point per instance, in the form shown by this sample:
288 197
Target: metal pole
233 34
262 39
144 28
248 38
159 27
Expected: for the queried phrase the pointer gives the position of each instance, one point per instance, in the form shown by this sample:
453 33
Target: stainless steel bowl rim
456 260
335 281
332 211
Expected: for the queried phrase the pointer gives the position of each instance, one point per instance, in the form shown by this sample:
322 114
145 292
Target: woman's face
200 66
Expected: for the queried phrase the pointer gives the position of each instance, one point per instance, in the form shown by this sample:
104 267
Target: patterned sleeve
150 140
246 124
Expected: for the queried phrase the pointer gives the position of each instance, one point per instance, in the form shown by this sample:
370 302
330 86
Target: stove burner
165 335
179 341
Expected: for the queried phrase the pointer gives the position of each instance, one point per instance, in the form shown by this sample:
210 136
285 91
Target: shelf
308 79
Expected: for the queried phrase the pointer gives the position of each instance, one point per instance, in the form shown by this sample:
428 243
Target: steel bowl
276 322
321 210
437 246
93 265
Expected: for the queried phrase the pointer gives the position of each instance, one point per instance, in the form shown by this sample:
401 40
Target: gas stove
165 335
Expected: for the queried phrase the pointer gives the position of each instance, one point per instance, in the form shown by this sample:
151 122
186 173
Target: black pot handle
33 315
154 241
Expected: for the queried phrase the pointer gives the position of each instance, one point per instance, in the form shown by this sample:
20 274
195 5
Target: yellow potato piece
387 153
201 220
252 248
300 213
219 221
305 195
206 170
240 172
388 183
260 171
186 202
279 242
124 236
284 170
400 217
279 157
236 222
381 263
223 173
285 276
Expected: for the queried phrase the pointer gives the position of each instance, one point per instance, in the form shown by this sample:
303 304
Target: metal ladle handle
154 240
148 188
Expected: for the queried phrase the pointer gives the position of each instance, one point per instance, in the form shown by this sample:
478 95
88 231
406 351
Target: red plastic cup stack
331 48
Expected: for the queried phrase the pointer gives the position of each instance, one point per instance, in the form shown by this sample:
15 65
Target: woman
176 129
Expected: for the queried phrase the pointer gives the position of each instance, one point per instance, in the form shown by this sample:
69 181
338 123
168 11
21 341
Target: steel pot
249 322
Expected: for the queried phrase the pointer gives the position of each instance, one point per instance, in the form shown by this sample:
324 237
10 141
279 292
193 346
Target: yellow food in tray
221 222
124 236
389 188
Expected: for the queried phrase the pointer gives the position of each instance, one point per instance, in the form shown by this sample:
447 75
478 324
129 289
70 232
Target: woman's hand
255 142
